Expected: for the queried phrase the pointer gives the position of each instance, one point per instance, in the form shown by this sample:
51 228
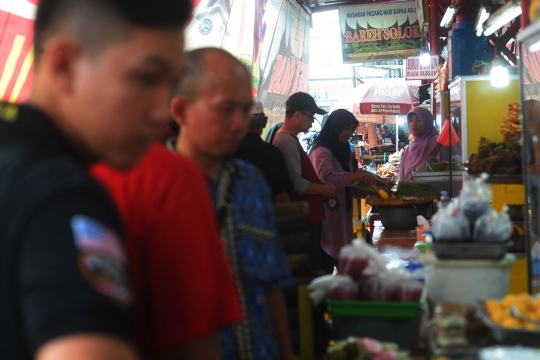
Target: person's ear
265 121
61 57
179 107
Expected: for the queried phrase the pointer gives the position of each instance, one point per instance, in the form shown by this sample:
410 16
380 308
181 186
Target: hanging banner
381 31
422 10
16 49
238 39
237 26
259 33
287 67
416 71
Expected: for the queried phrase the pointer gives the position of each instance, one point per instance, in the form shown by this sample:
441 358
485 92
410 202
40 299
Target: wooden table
382 237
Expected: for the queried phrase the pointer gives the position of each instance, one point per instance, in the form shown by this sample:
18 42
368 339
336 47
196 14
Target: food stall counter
440 180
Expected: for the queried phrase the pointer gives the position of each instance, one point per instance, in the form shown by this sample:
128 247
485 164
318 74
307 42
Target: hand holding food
368 179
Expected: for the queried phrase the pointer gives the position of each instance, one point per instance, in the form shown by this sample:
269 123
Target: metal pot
403 216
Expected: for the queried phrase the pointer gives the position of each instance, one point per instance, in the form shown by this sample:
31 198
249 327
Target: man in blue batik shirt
213 110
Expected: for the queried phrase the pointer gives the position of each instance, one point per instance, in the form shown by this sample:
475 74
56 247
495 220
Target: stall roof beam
510 32
509 54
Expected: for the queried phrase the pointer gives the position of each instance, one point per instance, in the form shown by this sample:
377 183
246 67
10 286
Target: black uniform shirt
62 264
268 159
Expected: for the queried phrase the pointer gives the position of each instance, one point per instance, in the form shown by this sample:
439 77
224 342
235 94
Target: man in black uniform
103 78
265 156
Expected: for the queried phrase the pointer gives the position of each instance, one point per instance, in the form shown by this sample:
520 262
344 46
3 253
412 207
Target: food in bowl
438 166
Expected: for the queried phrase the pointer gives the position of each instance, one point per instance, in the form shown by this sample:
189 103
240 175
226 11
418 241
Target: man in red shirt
182 282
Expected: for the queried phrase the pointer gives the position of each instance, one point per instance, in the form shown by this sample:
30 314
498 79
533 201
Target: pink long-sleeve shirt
337 229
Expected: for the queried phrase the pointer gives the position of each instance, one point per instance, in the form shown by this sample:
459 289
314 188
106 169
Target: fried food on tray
494 158
511 125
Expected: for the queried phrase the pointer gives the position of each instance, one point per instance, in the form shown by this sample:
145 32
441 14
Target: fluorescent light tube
483 15
501 17
446 21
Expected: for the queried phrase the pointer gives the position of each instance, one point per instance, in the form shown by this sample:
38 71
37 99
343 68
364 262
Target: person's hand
368 179
329 189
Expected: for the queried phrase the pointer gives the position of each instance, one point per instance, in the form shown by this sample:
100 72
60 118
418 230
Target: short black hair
89 16
258 121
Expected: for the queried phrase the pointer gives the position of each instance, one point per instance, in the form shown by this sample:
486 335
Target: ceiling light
483 15
425 57
503 16
499 72
448 17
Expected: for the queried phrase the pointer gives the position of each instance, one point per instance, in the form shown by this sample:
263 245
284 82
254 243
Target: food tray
382 183
508 336
465 353
470 250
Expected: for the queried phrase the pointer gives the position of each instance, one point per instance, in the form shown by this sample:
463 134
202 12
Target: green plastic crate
374 309
397 322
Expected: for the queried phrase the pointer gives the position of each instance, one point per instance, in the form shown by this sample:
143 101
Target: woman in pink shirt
331 158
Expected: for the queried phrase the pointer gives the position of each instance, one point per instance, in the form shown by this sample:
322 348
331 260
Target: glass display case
529 40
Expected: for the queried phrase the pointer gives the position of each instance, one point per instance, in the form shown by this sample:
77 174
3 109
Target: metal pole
434 27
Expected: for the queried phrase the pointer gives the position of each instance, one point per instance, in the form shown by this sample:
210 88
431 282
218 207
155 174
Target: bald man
212 109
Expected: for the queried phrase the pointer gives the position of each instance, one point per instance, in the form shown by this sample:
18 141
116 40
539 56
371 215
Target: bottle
445 199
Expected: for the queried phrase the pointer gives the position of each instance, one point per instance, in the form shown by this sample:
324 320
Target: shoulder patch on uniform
92 236
102 259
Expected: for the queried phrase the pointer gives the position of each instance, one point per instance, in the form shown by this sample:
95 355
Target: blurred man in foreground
102 82
213 110
180 275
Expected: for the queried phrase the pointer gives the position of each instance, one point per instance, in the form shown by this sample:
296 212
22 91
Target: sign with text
416 71
287 66
382 31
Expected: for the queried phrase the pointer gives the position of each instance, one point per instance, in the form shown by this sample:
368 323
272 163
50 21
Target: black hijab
328 137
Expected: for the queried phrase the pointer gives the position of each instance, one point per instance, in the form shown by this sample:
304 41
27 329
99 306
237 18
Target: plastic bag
493 226
450 223
318 288
475 197
352 261
444 138
380 288
343 288
409 291
355 258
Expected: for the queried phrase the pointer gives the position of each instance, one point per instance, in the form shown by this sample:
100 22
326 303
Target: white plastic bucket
466 281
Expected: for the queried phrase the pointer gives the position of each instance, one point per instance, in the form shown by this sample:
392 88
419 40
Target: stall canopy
374 100
351 101
389 97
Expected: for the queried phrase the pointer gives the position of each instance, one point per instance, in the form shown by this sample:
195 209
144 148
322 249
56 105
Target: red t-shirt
182 281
